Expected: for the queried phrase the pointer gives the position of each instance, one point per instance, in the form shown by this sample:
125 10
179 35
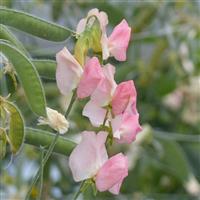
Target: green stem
79 191
50 150
48 154
71 104
38 138
42 174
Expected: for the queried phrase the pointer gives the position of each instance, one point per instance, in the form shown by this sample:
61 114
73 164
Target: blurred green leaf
6 34
40 138
33 25
45 68
28 76
16 127
174 157
2 143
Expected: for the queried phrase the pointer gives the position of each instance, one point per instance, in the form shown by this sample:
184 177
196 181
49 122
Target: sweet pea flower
95 109
124 97
125 127
89 159
103 20
55 120
111 175
123 114
118 41
91 77
88 156
68 71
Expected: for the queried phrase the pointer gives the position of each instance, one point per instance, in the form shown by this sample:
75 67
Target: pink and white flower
117 43
90 160
68 71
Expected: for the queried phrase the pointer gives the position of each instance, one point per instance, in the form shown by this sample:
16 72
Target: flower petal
125 127
95 113
112 173
119 39
102 95
68 71
124 93
88 156
90 79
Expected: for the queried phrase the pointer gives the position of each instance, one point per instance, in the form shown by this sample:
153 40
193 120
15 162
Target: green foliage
16 127
33 25
6 34
45 68
3 142
39 138
28 76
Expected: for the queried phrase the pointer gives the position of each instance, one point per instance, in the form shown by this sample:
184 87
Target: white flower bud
55 120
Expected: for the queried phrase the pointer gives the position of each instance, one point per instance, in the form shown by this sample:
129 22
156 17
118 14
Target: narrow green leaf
174 157
16 127
2 143
28 76
45 68
40 138
33 25
6 34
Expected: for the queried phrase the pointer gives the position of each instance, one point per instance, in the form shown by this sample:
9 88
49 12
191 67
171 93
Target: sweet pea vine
111 106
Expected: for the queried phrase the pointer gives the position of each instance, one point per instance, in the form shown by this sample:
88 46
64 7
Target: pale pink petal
119 40
90 79
112 173
101 16
125 127
102 95
105 47
81 26
95 113
116 188
124 95
88 156
68 71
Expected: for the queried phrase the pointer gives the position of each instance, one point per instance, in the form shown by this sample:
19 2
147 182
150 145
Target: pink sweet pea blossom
118 41
103 20
123 114
125 127
91 77
88 156
68 72
124 96
101 97
111 175
90 160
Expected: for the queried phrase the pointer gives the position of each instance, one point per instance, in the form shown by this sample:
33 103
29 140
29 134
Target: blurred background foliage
163 60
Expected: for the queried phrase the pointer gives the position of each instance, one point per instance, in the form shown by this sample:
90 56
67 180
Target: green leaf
45 68
28 76
33 25
16 127
174 157
2 143
6 34
40 138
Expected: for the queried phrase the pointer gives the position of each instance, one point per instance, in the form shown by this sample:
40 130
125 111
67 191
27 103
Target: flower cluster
111 106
